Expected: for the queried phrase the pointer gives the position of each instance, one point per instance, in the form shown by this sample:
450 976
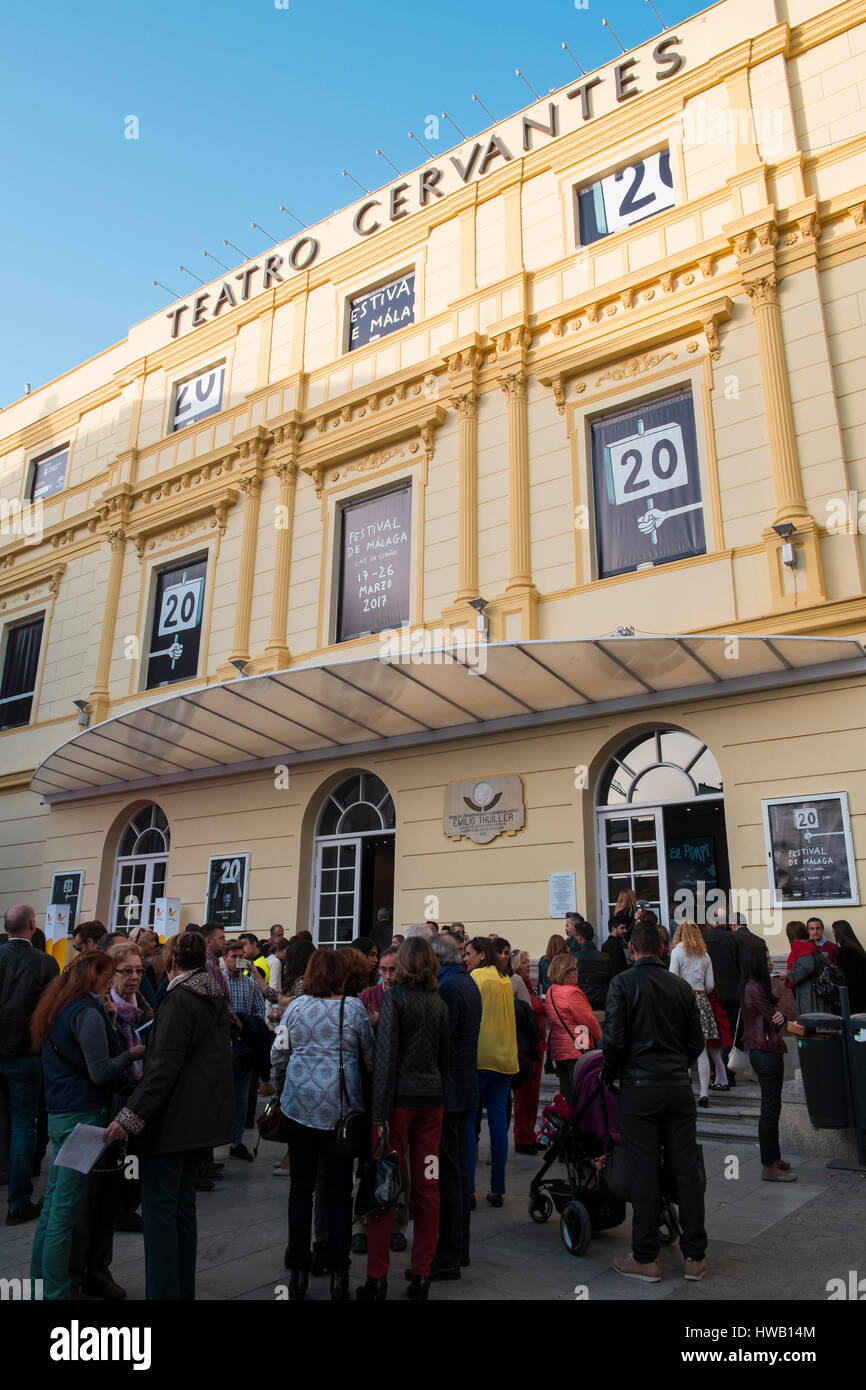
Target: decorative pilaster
782 437
114 516
277 652
513 383
251 488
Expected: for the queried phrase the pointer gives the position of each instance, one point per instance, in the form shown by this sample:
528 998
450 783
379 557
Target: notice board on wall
375 568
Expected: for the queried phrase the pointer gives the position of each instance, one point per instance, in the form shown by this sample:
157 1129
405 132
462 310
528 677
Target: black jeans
769 1068
652 1118
168 1216
453 1191
93 1241
306 1147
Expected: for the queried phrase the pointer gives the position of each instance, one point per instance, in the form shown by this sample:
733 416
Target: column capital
513 383
762 290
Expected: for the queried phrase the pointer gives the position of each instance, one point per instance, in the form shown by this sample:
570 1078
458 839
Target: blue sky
241 106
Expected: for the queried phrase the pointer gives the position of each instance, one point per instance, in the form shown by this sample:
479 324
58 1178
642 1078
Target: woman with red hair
83 1059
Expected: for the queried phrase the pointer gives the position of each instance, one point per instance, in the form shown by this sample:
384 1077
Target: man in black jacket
24 973
651 1037
594 968
616 945
726 961
462 996
183 1105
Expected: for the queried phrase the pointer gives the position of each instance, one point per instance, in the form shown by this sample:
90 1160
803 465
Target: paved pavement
767 1241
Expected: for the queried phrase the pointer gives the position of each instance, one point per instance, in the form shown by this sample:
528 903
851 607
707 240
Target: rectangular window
629 195
647 485
49 474
19 672
175 633
198 397
376 313
375 556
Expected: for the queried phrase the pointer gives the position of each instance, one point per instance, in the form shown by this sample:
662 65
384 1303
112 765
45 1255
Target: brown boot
648 1273
694 1269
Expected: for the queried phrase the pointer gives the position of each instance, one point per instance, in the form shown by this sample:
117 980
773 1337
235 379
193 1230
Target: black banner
382 311
228 882
647 486
375 555
176 629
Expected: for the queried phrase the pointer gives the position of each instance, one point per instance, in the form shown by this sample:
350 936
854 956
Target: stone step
728 1133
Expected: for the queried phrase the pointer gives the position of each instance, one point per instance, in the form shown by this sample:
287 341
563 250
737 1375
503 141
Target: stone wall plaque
484 808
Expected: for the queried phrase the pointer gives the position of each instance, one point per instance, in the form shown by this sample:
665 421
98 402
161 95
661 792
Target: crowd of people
399 1047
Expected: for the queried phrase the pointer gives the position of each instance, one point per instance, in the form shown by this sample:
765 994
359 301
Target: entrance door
337 891
140 869
630 854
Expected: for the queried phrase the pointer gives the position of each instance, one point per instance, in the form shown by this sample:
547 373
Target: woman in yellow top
497 1060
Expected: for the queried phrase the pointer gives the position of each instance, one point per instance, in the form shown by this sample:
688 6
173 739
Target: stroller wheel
669 1226
575 1228
540 1207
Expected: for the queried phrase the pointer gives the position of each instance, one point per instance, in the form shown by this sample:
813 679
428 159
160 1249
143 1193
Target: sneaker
777 1174
648 1273
241 1151
30 1211
783 1164
399 1243
694 1269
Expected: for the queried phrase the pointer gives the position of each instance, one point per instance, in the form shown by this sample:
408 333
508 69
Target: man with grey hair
462 996
572 921
24 973
419 931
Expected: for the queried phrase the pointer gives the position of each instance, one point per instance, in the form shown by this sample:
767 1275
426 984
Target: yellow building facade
496 544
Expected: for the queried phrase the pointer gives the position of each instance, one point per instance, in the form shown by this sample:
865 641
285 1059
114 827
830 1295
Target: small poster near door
227 887
562 894
810 855
66 889
691 868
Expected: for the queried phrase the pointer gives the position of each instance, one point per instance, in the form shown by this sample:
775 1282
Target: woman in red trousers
526 1096
413 1039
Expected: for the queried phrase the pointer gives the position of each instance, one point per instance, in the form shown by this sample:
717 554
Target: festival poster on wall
647 486
382 311
227 887
810 855
375 555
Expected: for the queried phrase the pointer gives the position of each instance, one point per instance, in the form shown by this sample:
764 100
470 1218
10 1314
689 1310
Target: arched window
360 805
141 868
664 765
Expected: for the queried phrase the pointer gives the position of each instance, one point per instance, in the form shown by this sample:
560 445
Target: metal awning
343 708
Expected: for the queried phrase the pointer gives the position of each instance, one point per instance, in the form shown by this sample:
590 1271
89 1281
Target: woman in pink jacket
574 1028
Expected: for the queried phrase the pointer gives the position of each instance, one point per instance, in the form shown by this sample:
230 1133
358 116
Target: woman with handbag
413 1038
800 976
574 1028
83 1060
762 1025
690 959
326 1037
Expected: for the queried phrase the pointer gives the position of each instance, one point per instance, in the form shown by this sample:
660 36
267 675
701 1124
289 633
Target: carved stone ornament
667 282
250 486
810 227
711 333
634 366
706 266
558 388
858 212
286 471
767 235
288 434
592 313
762 291
514 385
374 460
466 404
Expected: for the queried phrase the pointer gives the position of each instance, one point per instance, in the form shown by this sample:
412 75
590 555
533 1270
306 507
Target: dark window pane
19 673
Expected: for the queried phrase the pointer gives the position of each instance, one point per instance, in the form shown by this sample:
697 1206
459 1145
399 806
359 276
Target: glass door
337 891
631 855
137 884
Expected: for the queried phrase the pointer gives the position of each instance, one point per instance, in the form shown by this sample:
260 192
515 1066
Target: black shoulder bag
351 1130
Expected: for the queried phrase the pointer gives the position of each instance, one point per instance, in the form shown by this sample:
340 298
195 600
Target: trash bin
822 1066
857 1055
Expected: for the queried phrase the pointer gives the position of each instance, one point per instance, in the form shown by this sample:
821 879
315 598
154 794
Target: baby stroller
590 1196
